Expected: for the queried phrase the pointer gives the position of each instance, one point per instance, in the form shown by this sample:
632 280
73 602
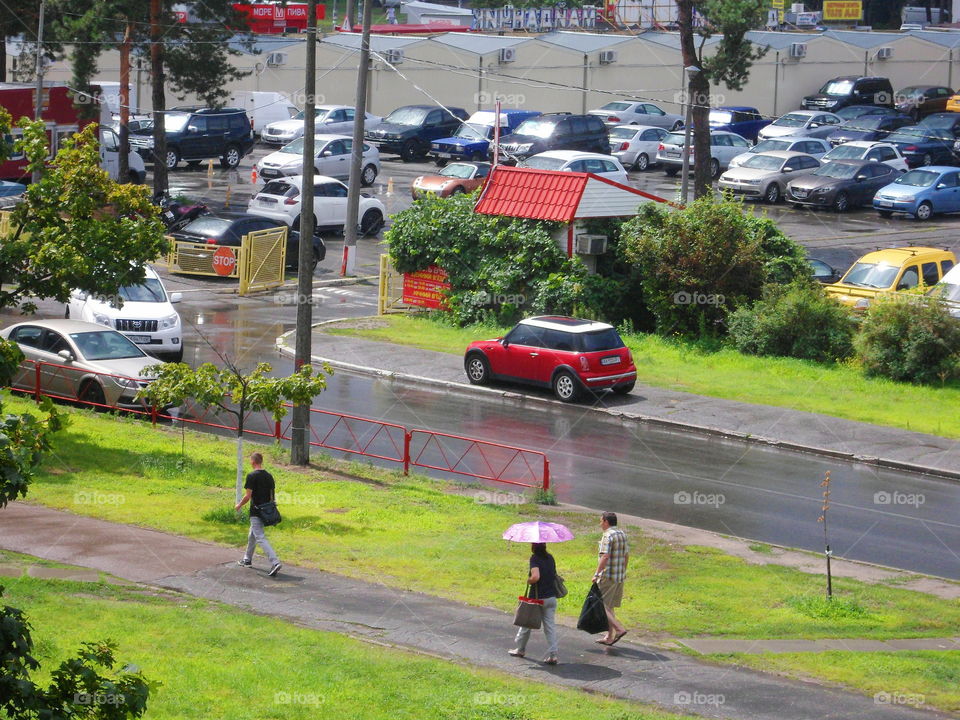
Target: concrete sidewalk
421 623
790 429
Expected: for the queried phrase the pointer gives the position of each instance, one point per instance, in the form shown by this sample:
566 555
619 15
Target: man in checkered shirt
611 573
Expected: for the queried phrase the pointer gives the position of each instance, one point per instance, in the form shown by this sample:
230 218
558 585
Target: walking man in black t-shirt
259 487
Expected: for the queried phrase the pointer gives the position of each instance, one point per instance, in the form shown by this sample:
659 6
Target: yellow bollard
210 168
389 186
226 199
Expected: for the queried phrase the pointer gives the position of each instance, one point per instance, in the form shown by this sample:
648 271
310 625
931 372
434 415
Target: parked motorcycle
176 215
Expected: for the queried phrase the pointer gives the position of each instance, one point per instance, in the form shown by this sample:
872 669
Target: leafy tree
233 392
77 688
730 63
697 264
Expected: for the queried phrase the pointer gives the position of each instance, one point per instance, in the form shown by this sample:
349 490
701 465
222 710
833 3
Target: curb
676 425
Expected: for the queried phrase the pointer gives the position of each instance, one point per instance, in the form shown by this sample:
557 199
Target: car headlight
128 383
524 147
102 319
434 146
861 304
171 321
821 191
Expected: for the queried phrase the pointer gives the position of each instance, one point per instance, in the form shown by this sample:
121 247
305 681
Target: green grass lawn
839 390
218 662
398 530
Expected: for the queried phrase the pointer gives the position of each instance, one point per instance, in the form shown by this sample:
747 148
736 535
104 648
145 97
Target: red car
562 353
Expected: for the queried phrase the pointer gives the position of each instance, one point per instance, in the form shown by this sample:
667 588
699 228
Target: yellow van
886 271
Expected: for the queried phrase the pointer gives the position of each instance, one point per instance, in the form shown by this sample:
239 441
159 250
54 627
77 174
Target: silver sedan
627 112
765 175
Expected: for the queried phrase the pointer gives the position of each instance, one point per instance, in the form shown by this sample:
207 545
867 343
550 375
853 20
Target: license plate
267 201
672 153
443 155
139 339
270 173
800 193
612 360
883 203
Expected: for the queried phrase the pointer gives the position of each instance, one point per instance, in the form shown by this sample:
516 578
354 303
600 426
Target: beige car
79 361
765 175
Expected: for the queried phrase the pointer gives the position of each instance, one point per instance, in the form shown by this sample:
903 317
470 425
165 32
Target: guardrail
428 449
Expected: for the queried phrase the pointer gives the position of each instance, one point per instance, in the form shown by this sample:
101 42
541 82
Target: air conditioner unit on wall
508 55
394 57
276 59
608 57
798 50
591 244
884 53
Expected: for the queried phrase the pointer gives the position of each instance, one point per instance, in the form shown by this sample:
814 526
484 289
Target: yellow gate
390 297
259 263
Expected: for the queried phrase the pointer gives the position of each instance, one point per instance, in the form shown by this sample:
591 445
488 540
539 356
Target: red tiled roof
543 194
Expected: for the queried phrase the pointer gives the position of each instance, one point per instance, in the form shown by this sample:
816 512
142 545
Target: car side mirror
192 130
505 342
326 153
861 178
176 297
66 355
788 170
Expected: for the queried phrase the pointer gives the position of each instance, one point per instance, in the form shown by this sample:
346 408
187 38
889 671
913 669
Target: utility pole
303 350
159 103
350 228
124 134
38 105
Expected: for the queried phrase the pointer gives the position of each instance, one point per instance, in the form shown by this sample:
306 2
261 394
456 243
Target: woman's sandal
516 652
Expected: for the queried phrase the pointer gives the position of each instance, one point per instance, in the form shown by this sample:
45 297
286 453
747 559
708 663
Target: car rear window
281 188
207 226
599 340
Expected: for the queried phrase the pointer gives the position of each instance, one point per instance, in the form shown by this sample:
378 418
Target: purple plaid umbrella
538 532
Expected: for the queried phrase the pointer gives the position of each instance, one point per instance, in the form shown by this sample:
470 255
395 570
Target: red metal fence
455 454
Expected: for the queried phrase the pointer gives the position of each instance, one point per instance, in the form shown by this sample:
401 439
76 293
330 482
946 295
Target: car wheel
927 159
624 388
677 126
772 195
173 158
231 157
409 151
91 393
178 355
671 170
924 211
458 190
642 162
885 213
368 176
714 169
135 178
296 224
371 223
841 203
315 261
478 369
565 386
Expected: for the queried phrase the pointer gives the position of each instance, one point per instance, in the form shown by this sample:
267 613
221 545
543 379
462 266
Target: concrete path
421 623
792 429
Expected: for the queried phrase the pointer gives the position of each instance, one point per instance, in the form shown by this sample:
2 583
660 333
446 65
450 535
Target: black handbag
593 617
269 513
529 612
561 587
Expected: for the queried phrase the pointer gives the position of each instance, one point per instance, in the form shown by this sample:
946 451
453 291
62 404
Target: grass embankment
839 390
214 661
414 533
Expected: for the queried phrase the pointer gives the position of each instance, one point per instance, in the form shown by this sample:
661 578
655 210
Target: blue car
740 119
472 140
921 193
868 127
921 145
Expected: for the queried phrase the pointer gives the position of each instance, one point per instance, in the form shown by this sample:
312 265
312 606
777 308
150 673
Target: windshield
871 275
458 170
175 122
763 162
406 116
720 117
937 121
945 291
792 120
841 171
616 106
837 87
474 131
544 163
294 148
911 92
867 122
768 145
622 133
105 345
854 111
318 113
845 152
150 290
536 128
599 341
918 178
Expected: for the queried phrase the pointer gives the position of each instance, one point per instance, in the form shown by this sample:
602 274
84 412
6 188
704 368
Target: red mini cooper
562 353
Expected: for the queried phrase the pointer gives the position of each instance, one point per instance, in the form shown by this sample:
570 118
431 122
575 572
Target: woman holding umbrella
543 580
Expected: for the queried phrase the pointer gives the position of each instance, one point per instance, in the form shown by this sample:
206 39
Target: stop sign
224 260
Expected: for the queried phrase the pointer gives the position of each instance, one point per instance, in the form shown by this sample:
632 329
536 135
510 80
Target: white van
263 108
110 158
948 290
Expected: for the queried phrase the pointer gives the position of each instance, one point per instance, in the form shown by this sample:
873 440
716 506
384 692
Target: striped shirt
614 543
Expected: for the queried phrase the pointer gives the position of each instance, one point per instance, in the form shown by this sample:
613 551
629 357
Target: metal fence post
406 452
277 432
546 473
36 379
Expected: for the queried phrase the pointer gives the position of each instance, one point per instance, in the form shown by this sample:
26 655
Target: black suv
195 134
555 131
409 130
851 90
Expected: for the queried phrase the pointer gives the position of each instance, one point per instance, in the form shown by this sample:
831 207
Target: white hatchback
635 146
332 154
576 161
280 201
329 119
801 122
144 313
816 147
884 152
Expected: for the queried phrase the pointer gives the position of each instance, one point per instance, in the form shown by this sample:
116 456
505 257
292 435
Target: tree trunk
698 94
159 102
123 174
3 59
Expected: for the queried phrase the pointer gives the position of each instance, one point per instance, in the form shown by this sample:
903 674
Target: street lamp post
689 73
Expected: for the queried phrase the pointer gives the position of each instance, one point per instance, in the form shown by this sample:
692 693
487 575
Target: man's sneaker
275 569
244 563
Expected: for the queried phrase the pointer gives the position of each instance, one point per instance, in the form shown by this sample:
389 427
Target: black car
851 90
195 134
229 231
409 130
851 112
868 127
555 131
841 184
948 121
921 145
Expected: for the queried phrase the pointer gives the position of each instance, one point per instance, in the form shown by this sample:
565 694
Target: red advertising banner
266 18
426 288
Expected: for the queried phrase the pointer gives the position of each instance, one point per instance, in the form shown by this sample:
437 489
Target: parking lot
837 239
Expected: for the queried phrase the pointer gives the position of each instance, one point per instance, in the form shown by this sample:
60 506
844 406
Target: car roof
807 112
900 255
937 168
65 326
562 322
868 144
297 180
727 108
570 154
783 154
639 128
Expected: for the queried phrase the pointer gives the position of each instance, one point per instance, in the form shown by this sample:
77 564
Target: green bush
796 320
910 338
